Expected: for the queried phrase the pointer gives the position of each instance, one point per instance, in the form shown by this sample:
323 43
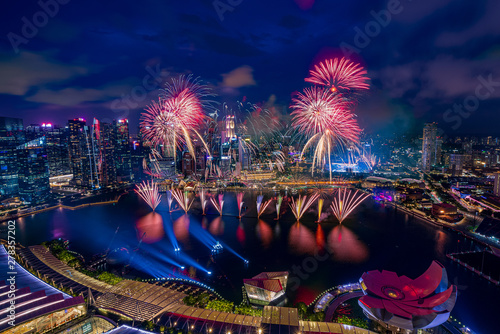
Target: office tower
439 146
57 149
75 128
11 135
122 151
429 146
136 159
34 187
456 164
104 142
496 186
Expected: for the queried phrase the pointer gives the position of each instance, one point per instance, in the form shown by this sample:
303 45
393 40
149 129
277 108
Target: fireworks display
339 75
239 200
169 200
326 120
148 190
172 121
262 206
203 200
218 206
182 198
301 205
345 201
279 200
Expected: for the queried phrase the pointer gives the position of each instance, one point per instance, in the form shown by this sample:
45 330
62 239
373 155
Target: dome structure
424 302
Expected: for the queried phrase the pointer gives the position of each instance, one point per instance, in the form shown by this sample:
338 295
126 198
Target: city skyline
410 86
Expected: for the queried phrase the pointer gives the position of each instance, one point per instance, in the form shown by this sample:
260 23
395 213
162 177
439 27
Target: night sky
97 58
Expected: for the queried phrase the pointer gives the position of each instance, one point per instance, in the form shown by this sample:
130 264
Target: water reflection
301 239
320 238
181 228
217 226
346 246
265 233
240 234
152 225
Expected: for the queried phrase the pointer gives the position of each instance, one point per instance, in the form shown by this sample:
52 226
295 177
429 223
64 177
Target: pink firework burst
173 120
339 74
148 190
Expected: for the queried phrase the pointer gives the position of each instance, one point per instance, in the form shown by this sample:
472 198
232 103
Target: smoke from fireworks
339 75
148 190
345 202
182 198
300 206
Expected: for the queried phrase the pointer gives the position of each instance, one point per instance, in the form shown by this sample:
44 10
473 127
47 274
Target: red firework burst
339 75
175 117
316 112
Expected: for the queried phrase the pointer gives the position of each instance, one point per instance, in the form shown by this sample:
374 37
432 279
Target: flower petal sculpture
424 302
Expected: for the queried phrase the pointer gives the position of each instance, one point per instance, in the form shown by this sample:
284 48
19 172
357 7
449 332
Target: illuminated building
456 164
75 127
266 287
429 146
104 143
136 159
424 302
11 135
496 185
33 174
122 151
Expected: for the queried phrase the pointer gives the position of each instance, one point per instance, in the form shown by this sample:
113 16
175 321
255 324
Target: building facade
429 146
122 151
34 187
11 135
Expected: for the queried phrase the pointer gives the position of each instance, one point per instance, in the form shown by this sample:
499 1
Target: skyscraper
496 186
75 127
11 135
122 150
104 143
34 184
456 164
57 149
429 146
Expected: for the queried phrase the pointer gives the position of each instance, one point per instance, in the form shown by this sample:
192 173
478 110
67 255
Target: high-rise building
122 151
104 142
57 149
496 185
137 158
34 187
429 146
75 128
456 164
11 135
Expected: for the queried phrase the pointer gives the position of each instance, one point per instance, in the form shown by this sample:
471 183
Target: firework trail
169 200
203 200
220 205
262 206
149 193
182 198
239 199
279 200
339 75
326 119
371 160
173 120
345 202
300 206
320 208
